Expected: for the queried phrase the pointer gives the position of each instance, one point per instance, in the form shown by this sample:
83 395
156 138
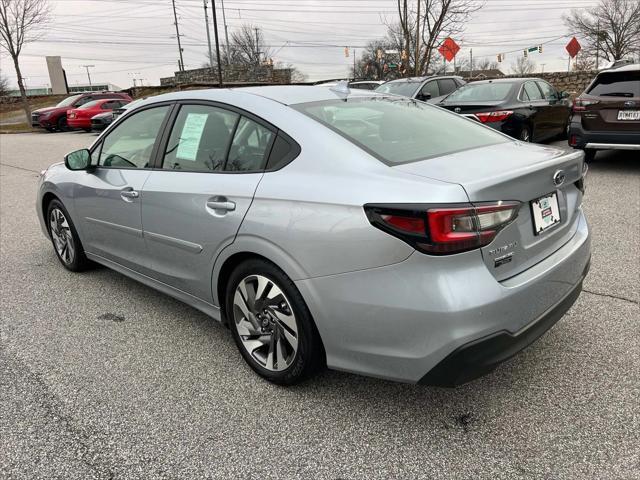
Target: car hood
48 110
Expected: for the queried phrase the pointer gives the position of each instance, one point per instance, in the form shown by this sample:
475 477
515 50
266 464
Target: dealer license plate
546 213
628 114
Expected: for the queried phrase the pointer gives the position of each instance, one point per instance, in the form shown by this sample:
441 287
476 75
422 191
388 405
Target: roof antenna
342 87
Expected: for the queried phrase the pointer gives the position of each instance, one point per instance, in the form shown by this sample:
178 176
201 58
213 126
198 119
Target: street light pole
226 30
215 33
206 22
88 74
175 19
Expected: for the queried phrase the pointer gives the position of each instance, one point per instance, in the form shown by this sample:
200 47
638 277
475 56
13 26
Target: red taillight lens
580 104
444 230
497 116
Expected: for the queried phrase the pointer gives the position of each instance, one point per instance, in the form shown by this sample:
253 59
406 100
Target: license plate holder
628 115
545 212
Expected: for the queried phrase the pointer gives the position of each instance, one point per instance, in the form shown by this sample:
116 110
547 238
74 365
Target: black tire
309 356
564 135
525 134
61 124
75 259
88 130
589 155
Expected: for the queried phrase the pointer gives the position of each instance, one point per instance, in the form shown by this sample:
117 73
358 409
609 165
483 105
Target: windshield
68 101
87 105
406 89
481 92
617 84
399 130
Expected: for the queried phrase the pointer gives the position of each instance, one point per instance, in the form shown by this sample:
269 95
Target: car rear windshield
68 101
481 92
399 130
406 89
616 84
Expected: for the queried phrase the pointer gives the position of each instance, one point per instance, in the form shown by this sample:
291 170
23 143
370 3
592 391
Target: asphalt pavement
101 377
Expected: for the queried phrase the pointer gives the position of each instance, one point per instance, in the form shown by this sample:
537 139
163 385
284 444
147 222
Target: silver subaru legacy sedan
369 233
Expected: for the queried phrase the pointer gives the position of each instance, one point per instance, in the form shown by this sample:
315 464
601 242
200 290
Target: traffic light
499 58
539 48
346 51
525 53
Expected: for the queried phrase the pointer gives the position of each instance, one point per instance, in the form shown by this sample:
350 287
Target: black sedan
529 109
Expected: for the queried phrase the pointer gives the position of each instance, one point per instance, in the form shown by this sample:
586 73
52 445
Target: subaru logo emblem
558 178
457 109
629 103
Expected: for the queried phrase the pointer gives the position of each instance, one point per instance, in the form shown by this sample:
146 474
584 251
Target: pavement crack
19 168
617 297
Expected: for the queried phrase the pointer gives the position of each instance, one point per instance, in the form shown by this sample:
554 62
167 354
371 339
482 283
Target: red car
81 117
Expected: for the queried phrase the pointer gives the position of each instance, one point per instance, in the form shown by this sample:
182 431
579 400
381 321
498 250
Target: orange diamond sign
449 48
573 47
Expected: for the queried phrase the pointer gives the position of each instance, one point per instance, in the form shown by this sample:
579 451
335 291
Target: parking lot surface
102 377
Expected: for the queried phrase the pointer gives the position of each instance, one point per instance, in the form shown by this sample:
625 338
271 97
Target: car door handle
129 195
221 203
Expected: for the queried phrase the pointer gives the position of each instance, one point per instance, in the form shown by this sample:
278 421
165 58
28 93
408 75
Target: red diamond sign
449 48
573 47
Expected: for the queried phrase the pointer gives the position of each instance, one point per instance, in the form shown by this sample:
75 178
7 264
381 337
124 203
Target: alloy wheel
265 322
524 135
61 235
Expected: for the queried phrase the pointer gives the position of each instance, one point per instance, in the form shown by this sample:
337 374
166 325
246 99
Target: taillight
497 116
581 104
442 230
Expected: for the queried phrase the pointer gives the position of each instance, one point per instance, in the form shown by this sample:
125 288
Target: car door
541 114
558 109
107 198
193 204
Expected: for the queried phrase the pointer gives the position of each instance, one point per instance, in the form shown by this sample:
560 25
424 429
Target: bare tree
21 21
247 47
4 86
523 66
584 61
486 64
611 29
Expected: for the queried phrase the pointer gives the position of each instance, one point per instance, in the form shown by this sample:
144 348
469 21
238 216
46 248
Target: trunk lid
514 171
472 107
605 116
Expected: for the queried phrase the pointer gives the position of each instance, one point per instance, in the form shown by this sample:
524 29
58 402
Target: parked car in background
376 233
607 115
529 109
101 121
366 84
81 117
55 118
427 89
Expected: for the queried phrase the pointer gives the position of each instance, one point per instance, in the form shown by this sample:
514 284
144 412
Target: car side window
250 147
548 91
108 105
130 143
200 139
83 100
532 91
431 88
447 85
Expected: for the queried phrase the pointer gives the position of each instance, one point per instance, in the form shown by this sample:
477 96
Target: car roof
421 79
505 80
634 67
285 94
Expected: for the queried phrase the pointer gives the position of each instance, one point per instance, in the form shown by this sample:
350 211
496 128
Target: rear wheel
271 323
589 155
64 237
525 134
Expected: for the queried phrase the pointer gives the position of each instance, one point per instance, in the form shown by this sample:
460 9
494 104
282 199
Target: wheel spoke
288 320
281 361
293 341
263 285
271 354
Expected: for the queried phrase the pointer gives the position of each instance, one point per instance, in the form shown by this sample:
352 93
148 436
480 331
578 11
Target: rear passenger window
548 91
532 91
200 139
250 147
447 85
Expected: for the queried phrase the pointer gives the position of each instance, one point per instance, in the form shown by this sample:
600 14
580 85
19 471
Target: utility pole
597 43
354 64
226 30
543 64
416 65
88 74
257 47
175 18
215 33
206 22
471 63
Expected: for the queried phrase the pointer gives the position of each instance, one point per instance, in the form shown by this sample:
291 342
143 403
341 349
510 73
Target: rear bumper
401 321
480 357
79 123
584 139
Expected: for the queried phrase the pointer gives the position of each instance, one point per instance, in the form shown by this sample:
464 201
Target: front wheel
64 237
62 124
271 323
525 135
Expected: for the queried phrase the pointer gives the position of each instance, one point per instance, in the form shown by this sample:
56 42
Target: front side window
89 105
200 139
447 85
430 89
130 143
548 91
83 100
398 130
250 147
68 101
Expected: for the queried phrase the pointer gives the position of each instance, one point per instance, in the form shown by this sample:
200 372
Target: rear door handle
221 203
129 194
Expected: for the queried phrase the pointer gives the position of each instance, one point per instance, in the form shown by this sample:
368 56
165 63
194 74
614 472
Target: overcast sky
126 39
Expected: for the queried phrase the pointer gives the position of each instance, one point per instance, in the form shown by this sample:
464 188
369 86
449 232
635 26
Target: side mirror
78 160
423 97
564 94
